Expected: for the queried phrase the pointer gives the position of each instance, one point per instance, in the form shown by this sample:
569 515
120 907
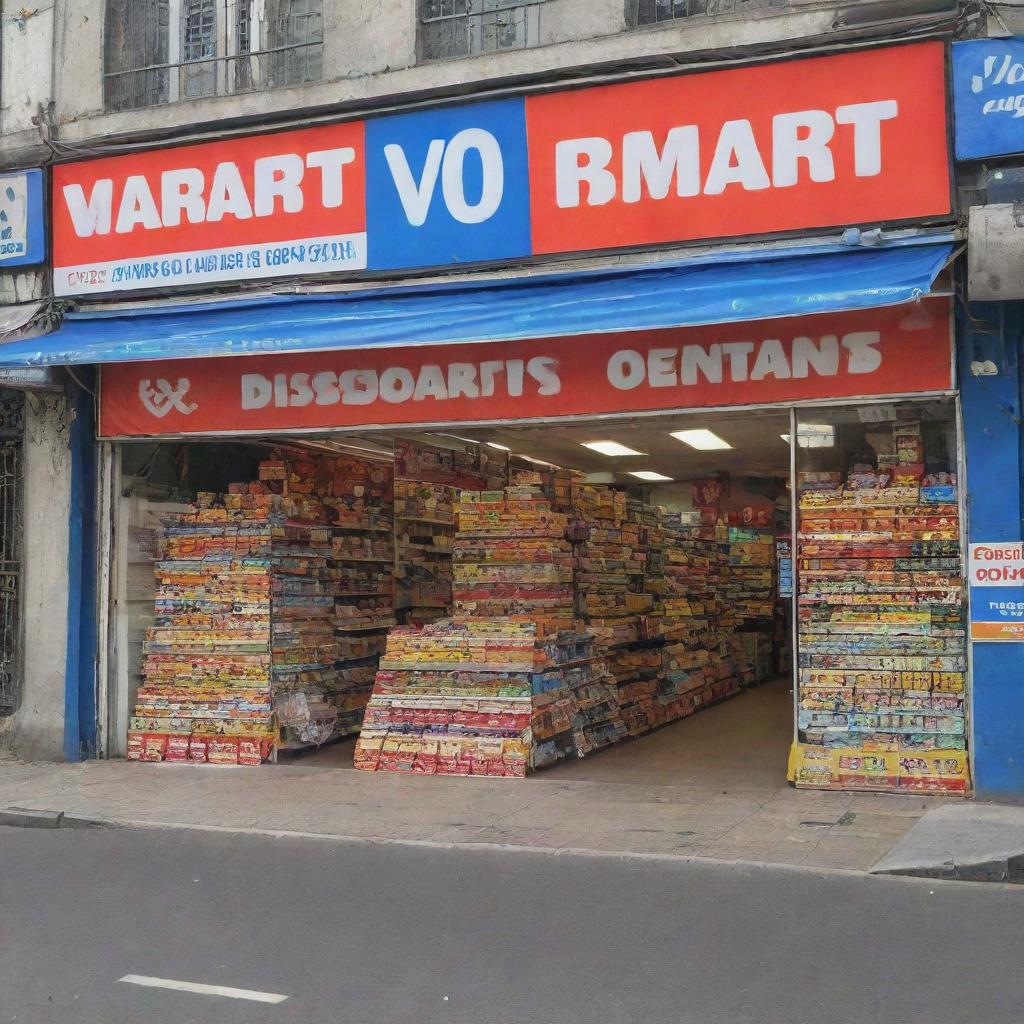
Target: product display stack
509 683
363 550
882 623
750 599
636 664
611 565
697 667
304 585
424 529
244 660
206 695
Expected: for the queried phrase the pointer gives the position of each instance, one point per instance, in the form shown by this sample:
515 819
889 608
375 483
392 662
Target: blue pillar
992 436
80 662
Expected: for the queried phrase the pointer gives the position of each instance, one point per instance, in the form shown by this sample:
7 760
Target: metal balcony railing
656 12
160 51
462 28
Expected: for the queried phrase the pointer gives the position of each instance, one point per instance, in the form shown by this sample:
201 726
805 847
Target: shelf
382 561
422 519
365 627
366 528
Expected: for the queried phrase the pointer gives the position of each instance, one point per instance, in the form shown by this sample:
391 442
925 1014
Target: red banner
844 139
868 353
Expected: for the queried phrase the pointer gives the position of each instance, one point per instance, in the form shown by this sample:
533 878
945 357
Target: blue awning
755 285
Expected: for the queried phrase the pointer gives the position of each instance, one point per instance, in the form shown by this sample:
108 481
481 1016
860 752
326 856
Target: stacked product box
698 669
882 628
611 564
206 695
364 553
555 484
424 528
511 558
636 662
485 697
508 684
749 596
243 659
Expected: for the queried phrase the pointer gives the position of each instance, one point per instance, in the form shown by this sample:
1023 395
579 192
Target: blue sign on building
450 185
22 234
988 97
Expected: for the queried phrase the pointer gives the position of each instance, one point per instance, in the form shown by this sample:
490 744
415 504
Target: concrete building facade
112 77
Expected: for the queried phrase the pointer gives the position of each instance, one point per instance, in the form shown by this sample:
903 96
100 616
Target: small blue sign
22 231
988 97
448 186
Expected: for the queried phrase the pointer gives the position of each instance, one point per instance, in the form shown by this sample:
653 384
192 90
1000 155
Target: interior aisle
741 743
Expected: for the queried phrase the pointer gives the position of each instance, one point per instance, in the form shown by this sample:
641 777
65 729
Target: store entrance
671 560
490 601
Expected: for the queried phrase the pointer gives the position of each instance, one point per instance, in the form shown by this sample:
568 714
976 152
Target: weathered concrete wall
26 44
370 58
36 730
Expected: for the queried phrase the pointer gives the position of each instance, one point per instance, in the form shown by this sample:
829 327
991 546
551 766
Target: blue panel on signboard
22 228
448 186
988 94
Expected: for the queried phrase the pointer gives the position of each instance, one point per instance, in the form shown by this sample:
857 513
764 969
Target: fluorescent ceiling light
500 447
649 474
536 462
702 440
610 448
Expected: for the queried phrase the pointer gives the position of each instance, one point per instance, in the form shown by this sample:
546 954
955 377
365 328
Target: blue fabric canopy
755 285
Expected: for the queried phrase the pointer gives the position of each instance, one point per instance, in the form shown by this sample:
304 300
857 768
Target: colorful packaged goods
242 659
481 696
509 684
882 632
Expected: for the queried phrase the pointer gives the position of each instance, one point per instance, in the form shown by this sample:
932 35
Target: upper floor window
159 51
654 12
463 28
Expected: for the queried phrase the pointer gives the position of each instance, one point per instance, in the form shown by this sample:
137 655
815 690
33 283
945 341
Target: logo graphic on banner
164 397
855 138
836 355
988 97
995 575
22 237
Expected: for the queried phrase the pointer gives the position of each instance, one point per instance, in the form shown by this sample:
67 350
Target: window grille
462 28
159 51
655 12
12 428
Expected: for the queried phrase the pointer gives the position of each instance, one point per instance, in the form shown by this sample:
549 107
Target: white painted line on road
204 990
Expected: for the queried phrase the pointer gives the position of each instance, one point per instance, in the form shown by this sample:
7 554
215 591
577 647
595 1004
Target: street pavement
353 933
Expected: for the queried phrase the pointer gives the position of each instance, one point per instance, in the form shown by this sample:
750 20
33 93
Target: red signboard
881 352
845 139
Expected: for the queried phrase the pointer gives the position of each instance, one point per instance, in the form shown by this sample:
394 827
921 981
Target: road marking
204 990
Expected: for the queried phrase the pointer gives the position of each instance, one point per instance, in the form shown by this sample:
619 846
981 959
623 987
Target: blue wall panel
992 432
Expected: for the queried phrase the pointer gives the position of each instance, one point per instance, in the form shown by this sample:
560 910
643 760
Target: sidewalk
730 816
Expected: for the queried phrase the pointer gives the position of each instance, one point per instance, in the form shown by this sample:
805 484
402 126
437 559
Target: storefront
357 458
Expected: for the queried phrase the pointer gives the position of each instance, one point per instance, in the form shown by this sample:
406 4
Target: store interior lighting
702 440
499 447
612 448
651 476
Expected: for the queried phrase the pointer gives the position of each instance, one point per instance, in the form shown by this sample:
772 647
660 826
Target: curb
624 856
1007 870
28 817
